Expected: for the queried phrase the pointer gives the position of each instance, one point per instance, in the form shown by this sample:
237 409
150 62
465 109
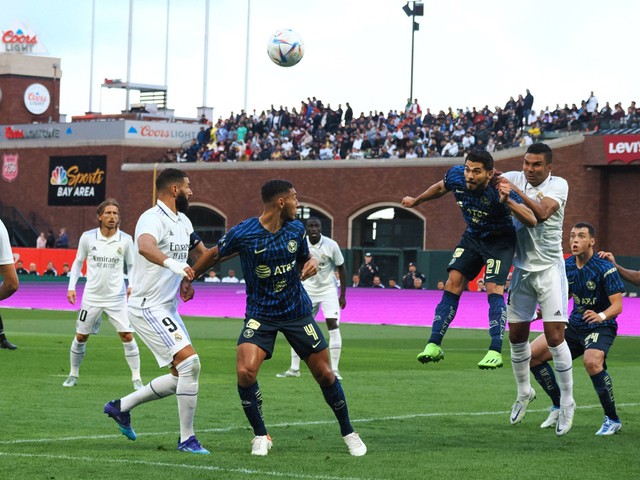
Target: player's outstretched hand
496 179
187 292
181 269
607 256
310 269
71 296
408 202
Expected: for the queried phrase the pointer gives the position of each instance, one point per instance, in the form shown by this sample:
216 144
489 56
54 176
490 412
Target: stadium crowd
321 132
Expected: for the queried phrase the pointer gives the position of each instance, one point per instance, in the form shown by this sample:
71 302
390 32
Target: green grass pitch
442 421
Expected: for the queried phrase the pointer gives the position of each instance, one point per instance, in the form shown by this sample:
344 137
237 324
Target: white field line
209 468
298 424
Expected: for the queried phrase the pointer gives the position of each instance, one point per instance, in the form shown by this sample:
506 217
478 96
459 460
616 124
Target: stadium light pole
416 11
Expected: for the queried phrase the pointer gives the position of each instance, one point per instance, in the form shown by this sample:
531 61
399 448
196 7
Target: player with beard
488 241
164 240
275 260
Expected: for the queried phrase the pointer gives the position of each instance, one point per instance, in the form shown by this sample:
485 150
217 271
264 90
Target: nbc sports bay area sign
77 180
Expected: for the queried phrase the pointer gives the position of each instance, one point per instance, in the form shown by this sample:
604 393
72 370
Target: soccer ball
285 48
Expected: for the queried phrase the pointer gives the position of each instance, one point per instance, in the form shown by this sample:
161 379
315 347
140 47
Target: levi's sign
622 148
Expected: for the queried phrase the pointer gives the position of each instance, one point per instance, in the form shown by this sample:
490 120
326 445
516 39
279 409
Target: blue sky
467 53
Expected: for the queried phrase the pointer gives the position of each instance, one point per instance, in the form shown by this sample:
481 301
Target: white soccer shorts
329 303
162 330
90 318
547 288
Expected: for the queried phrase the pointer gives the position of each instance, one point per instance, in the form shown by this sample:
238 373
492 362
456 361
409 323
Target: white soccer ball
285 48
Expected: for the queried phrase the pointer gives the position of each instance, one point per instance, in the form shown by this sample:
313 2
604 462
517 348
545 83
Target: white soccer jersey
329 256
6 256
106 258
154 285
540 247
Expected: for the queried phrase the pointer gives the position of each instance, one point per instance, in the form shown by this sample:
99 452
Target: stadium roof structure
619 131
154 94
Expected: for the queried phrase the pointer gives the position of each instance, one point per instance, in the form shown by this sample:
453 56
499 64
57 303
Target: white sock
564 372
132 356
77 352
187 393
520 359
295 360
335 347
157 388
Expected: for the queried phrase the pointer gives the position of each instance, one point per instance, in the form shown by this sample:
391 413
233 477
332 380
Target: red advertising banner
622 148
42 256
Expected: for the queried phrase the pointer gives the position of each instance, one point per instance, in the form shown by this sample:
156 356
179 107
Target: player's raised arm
632 276
310 268
436 190
519 210
208 259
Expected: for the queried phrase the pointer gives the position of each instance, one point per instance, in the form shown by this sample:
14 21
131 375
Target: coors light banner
78 180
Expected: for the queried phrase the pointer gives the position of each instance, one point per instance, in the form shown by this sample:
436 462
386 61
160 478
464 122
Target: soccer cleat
123 419
289 373
609 427
137 384
7 345
520 408
565 419
337 374
357 448
192 445
491 361
552 419
431 353
70 381
260 445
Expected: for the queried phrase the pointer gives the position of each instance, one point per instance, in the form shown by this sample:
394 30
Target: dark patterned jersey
482 210
270 268
591 286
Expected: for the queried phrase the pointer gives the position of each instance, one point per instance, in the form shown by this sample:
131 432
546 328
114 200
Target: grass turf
447 420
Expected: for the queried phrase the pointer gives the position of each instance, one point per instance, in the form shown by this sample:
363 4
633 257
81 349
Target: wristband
602 316
176 267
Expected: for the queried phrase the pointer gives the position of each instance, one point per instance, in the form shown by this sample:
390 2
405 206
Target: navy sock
497 320
252 404
334 396
547 379
445 312
604 388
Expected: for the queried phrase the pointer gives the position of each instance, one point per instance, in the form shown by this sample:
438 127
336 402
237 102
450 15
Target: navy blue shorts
302 334
600 338
496 252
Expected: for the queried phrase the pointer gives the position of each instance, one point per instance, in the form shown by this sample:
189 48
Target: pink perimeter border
364 305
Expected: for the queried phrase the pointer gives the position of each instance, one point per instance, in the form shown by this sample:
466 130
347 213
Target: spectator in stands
480 286
417 284
440 285
50 271
393 285
377 282
367 271
231 277
63 239
212 277
450 149
65 270
527 105
411 275
20 270
41 242
355 280
33 269
51 240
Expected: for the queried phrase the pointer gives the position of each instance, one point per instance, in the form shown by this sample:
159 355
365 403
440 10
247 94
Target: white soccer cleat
565 419
552 419
137 384
70 381
520 408
357 448
337 374
260 445
609 427
289 373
